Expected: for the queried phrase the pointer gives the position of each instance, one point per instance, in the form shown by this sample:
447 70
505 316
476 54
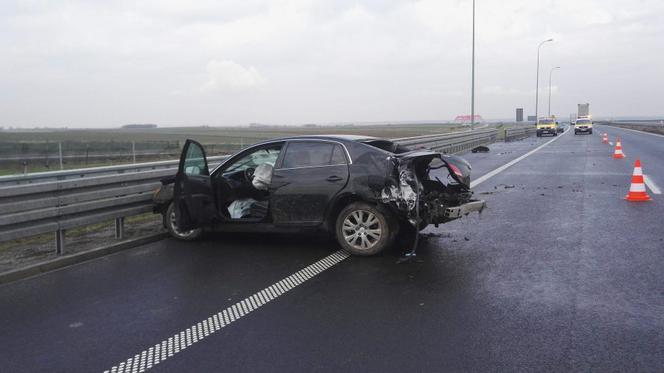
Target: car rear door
193 193
309 175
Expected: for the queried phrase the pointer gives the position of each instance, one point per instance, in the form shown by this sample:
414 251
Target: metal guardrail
61 200
452 142
40 177
517 133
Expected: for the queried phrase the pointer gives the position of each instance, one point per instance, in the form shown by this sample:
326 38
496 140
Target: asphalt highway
558 274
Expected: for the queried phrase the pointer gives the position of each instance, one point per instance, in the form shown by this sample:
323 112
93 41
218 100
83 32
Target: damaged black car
362 190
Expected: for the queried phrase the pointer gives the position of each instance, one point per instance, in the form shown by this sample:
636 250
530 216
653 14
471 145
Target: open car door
193 194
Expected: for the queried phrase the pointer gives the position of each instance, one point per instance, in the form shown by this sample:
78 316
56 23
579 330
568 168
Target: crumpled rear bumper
465 209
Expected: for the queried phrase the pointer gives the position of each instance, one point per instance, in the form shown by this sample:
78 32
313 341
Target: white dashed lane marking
154 355
502 168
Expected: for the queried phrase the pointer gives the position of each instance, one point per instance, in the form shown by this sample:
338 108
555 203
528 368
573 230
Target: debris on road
480 149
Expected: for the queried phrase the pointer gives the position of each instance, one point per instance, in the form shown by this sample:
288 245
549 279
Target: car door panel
193 193
300 194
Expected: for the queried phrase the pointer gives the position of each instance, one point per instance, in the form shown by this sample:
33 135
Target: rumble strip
146 359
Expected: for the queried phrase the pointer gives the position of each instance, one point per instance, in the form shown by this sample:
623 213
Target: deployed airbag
262 176
240 208
247 208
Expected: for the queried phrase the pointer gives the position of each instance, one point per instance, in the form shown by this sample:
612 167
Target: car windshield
582 121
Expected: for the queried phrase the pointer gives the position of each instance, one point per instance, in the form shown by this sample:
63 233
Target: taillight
456 170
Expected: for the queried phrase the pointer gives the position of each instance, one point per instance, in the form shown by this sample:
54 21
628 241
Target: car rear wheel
171 225
362 229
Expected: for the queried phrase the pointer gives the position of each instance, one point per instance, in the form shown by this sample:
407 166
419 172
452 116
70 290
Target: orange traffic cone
637 191
605 138
618 153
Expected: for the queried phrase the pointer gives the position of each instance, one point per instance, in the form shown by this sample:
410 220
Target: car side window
338 156
254 159
194 161
312 154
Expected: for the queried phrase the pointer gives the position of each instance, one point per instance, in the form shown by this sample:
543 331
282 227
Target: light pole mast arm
537 83
472 84
550 75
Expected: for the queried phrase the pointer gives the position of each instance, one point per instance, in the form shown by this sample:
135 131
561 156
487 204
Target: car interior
242 186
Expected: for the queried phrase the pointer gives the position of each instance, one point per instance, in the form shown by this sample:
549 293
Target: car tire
363 229
169 222
590 132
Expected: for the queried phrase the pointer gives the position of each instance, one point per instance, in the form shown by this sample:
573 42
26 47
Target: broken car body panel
424 200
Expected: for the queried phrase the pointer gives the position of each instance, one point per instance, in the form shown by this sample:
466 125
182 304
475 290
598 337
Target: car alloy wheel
362 230
186 235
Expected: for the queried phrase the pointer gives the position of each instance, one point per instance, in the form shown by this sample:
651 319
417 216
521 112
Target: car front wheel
362 229
171 225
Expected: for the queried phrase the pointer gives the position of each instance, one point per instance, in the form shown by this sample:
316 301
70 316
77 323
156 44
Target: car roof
354 138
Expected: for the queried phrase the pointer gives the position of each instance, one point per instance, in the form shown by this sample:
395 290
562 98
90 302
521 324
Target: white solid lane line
502 168
637 131
161 351
651 185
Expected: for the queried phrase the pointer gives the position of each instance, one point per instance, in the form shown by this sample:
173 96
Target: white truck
583 123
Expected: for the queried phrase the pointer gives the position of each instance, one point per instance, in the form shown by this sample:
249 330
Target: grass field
219 135
37 150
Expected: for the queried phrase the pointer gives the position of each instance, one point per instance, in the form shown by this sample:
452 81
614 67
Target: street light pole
550 73
472 84
537 83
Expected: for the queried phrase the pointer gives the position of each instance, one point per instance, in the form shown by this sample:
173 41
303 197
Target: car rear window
313 154
387 146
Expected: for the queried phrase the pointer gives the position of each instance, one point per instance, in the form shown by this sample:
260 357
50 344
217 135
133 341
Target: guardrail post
119 228
60 241
60 155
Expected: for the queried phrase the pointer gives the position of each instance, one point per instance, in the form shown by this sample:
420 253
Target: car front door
310 174
193 194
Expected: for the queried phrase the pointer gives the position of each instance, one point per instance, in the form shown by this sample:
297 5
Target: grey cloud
84 63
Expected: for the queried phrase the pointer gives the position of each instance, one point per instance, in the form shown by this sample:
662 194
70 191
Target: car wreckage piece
425 201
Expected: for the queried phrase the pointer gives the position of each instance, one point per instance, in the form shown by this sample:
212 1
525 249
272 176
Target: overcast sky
187 62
